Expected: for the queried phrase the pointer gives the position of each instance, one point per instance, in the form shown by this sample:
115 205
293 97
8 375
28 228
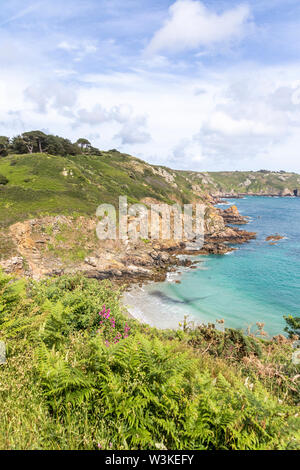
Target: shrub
293 326
150 394
3 180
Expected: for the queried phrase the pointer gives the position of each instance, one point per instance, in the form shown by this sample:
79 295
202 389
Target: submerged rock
274 238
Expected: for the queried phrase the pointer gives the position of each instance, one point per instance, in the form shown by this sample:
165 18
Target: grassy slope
37 185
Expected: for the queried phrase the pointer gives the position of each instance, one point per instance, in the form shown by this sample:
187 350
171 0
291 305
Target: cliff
240 183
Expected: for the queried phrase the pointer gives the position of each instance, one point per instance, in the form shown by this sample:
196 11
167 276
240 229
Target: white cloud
250 127
285 98
94 116
246 117
51 94
133 132
191 25
80 49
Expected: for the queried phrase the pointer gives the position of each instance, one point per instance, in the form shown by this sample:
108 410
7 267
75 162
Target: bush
150 394
293 326
3 180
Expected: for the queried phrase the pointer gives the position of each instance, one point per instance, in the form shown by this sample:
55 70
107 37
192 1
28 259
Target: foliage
293 326
83 143
37 141
3 180
230 344
71 382
4 146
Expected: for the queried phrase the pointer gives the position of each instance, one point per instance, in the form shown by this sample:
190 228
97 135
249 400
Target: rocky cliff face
52 246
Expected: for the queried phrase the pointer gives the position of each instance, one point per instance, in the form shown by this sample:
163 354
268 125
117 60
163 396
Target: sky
201 85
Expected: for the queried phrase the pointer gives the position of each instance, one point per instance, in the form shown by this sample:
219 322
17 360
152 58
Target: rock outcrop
52 246
286 192
232 216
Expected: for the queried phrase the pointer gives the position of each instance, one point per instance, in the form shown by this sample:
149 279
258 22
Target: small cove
258 282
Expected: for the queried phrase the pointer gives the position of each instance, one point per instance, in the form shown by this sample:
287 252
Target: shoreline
134 289
245 308
187 259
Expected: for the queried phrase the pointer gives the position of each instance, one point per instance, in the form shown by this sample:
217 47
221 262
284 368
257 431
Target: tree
84 144
19 145
4 146
35 141
39 142
293 326
30 142
55 145
94 151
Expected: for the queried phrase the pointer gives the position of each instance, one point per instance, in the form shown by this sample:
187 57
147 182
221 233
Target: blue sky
206 85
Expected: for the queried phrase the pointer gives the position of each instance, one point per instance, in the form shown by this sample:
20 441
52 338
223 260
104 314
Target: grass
41 184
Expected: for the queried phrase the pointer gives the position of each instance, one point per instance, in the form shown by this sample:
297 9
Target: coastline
250 287
186 260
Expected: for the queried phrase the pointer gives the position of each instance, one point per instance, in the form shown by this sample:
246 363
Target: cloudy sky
202 85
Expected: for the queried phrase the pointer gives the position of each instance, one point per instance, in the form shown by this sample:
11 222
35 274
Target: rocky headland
52 246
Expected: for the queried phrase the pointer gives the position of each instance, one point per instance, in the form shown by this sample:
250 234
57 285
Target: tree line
39 142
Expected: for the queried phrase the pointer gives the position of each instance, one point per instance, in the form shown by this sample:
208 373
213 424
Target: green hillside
246 182
42 184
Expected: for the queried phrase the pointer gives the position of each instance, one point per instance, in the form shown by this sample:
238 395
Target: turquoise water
258 282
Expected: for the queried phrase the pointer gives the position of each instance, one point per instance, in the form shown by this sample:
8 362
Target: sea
258 282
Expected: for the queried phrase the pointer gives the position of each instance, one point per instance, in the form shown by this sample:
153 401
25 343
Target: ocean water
258 282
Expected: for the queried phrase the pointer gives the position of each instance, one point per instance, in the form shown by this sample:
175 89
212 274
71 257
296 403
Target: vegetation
293 326
39 142
81 375
4 146
47 175
263 181
42 184
3 180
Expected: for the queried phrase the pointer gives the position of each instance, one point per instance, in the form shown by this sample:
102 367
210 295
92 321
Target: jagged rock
117 259
232 216
164 257
286 192
274 238
91 261
13 265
